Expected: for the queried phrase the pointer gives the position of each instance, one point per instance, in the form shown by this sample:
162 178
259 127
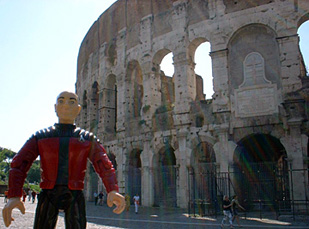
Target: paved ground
153 218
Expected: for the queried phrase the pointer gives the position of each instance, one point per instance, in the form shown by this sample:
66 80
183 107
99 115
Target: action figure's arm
104 167
20 166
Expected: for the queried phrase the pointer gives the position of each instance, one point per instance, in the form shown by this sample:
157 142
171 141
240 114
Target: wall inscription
256 101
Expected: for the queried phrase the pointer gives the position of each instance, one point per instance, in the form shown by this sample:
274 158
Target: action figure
63 150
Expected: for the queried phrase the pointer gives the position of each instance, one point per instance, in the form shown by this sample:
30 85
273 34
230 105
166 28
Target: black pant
72 202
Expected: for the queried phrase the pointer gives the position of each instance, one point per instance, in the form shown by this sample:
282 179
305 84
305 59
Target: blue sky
39 45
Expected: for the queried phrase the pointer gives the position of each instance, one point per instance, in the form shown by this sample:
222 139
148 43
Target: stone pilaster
221 100
290 62
182 178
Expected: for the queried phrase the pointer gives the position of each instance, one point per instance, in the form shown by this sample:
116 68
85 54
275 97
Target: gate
265 187
204 195
165 186
134 182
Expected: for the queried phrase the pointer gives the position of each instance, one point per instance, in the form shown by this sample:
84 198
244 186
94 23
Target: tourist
136 202
227 211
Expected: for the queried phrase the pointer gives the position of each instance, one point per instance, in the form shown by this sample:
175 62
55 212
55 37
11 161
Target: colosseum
171 145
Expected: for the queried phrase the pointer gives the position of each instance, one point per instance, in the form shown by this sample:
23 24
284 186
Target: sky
39 45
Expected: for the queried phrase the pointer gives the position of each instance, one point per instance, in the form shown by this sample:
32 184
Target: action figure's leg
46 213
75 214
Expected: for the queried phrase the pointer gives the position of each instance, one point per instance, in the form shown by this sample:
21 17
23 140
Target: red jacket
82 146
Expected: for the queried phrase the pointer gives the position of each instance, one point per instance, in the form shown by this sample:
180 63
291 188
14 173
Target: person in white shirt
136 202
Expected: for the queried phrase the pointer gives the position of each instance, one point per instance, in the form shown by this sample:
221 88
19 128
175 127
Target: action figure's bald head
67 107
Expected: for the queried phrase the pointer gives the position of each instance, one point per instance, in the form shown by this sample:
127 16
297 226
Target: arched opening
253 38
164 71
260 167
203 68
135 89
165 178
303 32
167 81
134 174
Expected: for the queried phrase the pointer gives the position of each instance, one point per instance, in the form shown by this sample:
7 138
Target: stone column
147 176
294 147
184 76
122 171
223 154
120 80
221 101
152 88
182 188
185 88
120 123
290 63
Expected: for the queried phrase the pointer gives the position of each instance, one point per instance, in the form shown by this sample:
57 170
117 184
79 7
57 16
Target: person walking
136 203
33 193
101 195
227 211
95 194
235 206
29 195
127 199
24 195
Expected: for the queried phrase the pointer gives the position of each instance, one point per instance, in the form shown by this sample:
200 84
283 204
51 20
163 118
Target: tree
34 174
6 157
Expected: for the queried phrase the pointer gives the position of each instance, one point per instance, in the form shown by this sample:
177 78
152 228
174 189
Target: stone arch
162 118
167 82
164 164
260 165
134 178
193 46
134 89
248 39
303 19
304 56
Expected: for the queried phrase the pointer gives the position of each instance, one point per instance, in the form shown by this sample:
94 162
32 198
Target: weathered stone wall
258 80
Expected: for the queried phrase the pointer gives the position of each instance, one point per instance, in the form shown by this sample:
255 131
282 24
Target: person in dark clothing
101 195
227 211
235 206
33 194
64 151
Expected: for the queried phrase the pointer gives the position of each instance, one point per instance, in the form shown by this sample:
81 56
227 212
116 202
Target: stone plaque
256 101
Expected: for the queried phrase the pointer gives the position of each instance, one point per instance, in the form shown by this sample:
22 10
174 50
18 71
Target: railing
261 202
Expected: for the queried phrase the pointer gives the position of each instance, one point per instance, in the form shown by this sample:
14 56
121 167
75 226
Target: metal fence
262 190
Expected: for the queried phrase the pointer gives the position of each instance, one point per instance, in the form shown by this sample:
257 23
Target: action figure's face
67 107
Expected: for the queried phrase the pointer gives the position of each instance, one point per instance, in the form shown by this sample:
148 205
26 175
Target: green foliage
6 157
34 187
34 174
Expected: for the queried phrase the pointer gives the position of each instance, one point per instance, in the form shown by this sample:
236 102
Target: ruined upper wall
126 16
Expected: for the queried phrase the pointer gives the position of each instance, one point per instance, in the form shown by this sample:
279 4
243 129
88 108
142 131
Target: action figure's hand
7 210
117 199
